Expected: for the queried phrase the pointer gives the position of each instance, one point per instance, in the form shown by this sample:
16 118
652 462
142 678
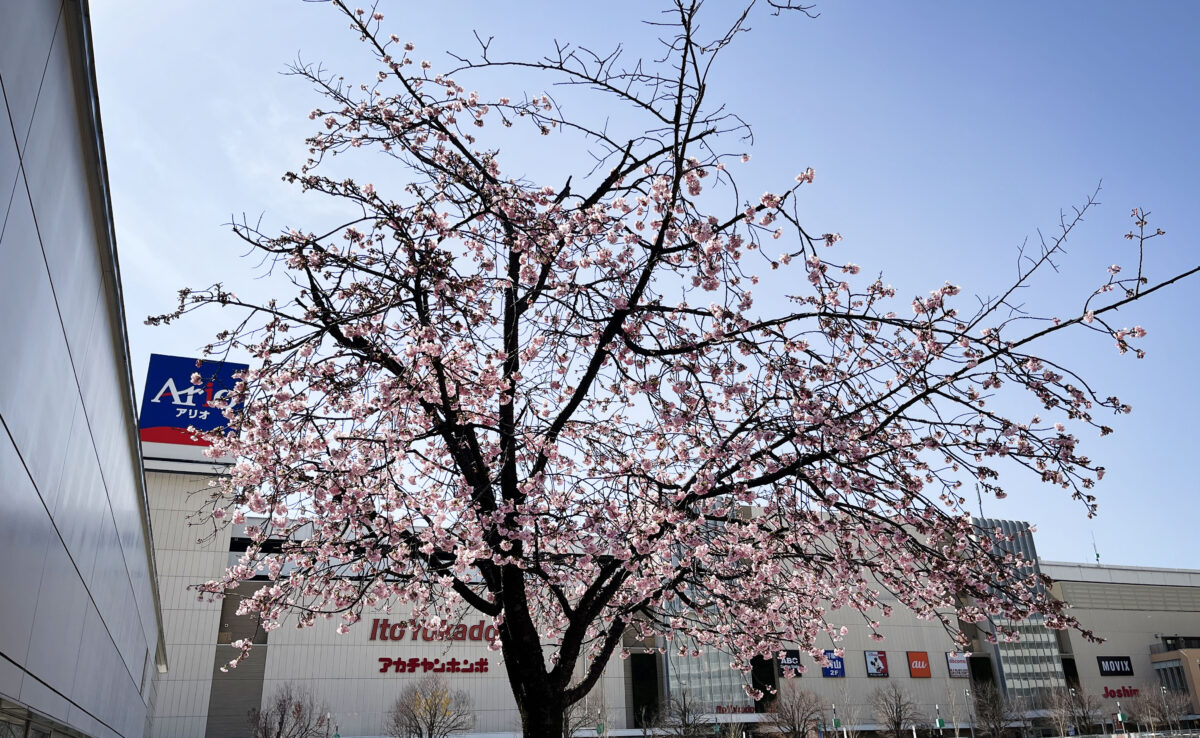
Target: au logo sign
171 403
918 665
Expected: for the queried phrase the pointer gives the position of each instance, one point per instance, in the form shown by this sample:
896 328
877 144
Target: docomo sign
957 664
171 403
384 630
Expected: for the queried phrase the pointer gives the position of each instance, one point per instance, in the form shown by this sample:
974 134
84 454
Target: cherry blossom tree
561 404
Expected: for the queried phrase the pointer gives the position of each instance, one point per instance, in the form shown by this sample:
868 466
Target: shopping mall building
1147 616
101 636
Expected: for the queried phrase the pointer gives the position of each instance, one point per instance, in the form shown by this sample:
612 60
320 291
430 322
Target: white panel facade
345 674
186 555
903 633
1130 608
342 672
79 629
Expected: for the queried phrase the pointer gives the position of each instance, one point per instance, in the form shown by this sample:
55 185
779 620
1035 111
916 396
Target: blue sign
172 402
836 668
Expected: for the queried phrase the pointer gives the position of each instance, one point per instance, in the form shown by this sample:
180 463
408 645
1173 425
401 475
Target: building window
1170 675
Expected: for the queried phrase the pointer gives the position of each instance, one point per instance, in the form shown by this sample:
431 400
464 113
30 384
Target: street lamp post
837 722
971 709
1078 728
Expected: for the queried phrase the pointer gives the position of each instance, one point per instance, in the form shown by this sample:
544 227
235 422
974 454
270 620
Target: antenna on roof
1094 549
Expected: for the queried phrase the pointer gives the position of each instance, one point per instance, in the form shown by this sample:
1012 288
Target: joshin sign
172 403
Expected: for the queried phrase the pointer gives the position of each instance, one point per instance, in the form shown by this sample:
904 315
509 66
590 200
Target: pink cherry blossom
562 407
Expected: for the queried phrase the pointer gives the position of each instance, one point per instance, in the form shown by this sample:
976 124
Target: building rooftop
1067 571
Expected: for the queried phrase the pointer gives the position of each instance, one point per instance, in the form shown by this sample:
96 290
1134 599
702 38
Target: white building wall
902 632
343 673
79 627
187 555
1129 607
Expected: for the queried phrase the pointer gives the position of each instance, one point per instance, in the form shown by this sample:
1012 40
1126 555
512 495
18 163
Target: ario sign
171 403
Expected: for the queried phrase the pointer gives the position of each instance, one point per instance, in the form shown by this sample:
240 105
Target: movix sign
172 402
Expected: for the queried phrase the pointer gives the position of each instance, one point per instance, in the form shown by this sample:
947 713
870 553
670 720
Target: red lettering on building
1120 692
384 630
735 709
416 664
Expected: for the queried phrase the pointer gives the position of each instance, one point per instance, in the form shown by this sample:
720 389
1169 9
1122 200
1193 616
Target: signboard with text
789 662
1125 692
918 665
957 664
172 402
876 663
836 668
1115 665
416 664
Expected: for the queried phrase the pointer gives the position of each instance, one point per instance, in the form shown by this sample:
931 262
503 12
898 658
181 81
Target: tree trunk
542 719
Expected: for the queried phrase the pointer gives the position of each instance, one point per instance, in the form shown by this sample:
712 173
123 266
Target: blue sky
943 135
